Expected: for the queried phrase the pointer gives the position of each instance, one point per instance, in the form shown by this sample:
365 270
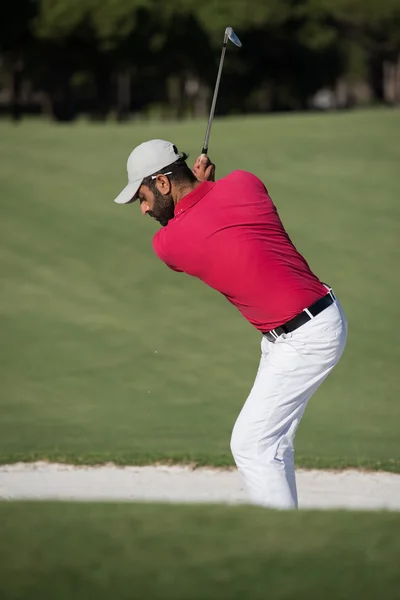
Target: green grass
102 551
107 355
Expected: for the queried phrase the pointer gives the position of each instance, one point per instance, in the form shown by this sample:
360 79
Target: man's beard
163 210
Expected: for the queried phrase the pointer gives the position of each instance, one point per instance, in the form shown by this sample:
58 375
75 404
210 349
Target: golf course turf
101 551
107 355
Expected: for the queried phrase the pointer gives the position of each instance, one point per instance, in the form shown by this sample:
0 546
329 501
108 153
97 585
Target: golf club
229 35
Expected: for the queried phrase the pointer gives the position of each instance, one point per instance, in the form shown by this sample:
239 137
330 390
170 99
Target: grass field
107 355
102 551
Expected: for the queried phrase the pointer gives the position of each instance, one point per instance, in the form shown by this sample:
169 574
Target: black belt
306 315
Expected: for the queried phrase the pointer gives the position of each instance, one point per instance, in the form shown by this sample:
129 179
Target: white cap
145 160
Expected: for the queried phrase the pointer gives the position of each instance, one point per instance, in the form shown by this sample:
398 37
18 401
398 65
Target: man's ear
163 184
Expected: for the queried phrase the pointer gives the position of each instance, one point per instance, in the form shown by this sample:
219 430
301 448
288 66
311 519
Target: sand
319 489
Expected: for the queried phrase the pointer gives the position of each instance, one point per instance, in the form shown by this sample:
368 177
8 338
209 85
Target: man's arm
158 247
204 170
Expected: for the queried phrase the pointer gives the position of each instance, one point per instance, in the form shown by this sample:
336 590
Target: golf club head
230 34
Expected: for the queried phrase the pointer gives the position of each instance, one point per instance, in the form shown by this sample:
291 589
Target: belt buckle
271 336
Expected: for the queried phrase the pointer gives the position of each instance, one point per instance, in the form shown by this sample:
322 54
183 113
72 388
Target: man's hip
303 317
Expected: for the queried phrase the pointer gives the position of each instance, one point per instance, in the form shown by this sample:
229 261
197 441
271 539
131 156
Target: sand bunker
317 489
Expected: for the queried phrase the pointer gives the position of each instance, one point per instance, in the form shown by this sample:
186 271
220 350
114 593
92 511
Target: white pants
291 369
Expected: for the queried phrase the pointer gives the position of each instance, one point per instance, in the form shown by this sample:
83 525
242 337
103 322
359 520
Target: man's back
229 235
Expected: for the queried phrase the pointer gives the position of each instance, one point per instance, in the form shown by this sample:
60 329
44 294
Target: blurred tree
103 56
369 44
148 46
287 56
69 58
15 41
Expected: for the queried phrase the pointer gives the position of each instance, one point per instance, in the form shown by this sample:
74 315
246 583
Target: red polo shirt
229 235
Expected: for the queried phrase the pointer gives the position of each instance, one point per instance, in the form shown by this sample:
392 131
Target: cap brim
128 192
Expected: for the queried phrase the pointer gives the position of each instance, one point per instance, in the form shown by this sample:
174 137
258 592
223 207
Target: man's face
156 204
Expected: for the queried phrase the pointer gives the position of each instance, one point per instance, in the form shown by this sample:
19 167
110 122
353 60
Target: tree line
159 58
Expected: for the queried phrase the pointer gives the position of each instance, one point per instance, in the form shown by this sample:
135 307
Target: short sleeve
160 249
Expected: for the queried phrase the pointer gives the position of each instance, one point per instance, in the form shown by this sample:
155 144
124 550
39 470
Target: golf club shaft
214 102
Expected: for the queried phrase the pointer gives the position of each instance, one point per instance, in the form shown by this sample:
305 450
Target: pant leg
291 369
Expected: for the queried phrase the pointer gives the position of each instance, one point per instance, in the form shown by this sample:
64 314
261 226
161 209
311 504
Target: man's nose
144 207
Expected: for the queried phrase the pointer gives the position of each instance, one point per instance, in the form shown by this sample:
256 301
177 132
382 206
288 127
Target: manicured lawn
107 355
102 551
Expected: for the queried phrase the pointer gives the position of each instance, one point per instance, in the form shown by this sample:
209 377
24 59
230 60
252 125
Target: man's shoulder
240 177
160 242
164 247
165 240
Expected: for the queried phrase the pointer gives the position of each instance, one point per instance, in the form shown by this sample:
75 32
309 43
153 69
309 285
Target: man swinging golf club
228 234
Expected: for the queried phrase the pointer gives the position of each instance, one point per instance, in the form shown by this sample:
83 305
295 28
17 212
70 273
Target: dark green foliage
82 53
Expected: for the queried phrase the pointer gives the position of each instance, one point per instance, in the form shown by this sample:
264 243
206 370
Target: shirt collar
193 197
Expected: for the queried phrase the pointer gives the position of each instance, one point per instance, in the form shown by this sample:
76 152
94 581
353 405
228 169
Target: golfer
228 234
